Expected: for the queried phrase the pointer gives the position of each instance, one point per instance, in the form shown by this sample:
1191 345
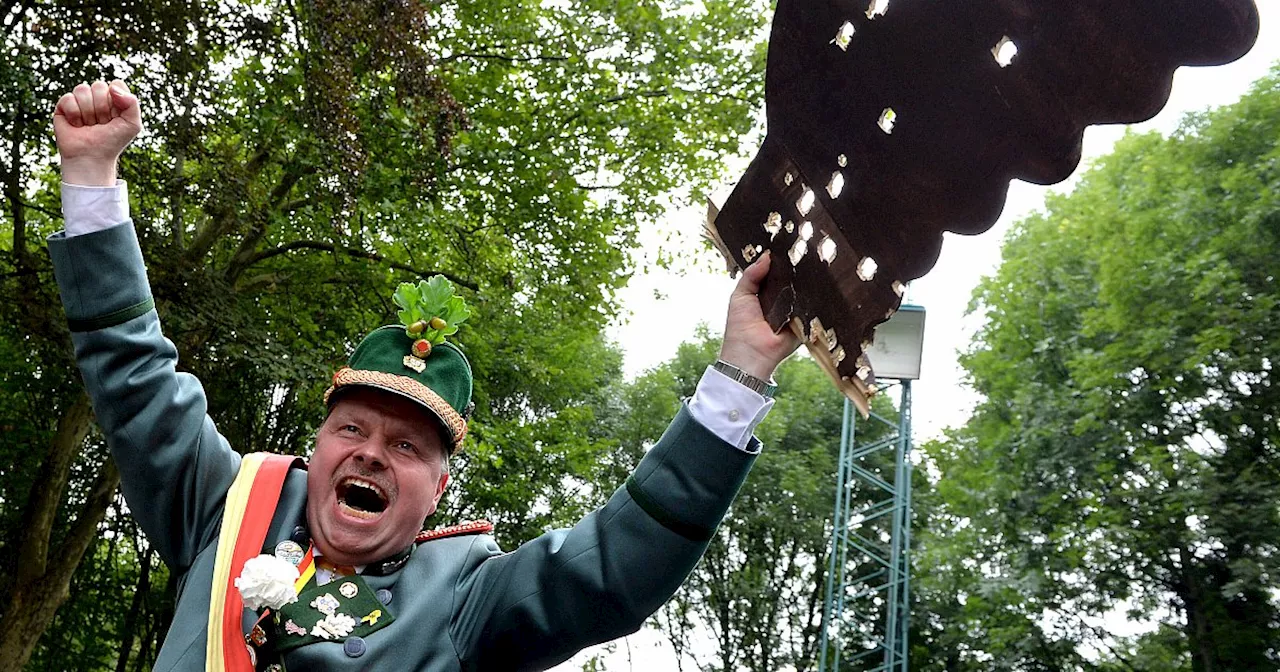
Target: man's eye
405 445
351 428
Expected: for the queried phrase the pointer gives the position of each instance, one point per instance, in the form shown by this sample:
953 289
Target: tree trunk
30 609
43 503
34 600
1199 638
131 619
13 188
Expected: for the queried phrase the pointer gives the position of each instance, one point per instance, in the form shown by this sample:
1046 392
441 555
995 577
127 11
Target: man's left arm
599 580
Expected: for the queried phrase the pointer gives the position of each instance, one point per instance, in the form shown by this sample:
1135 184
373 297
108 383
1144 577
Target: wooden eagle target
892 121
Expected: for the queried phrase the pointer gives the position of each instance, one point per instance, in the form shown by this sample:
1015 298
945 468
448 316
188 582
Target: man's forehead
397 411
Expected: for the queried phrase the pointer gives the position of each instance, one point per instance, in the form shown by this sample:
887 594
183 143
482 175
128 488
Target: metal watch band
764 388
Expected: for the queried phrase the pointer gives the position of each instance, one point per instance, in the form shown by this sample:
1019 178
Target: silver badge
326 604
290 551
348 590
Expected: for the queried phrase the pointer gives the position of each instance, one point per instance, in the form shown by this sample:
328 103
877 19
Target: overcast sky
666 307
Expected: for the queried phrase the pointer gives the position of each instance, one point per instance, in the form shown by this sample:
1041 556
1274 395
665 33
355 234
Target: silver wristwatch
764 388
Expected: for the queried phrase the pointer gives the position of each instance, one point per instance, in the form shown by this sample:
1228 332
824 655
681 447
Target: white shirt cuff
89 209
727 408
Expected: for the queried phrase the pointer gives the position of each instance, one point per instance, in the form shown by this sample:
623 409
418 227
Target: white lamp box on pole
895 354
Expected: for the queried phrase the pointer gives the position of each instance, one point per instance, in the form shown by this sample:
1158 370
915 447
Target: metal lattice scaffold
866 612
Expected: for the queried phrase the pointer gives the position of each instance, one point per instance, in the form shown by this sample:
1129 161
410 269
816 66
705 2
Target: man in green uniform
380 601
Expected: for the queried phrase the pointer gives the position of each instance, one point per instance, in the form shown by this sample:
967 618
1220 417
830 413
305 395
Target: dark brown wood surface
965 126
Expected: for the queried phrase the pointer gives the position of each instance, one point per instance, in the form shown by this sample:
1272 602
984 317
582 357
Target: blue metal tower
867 609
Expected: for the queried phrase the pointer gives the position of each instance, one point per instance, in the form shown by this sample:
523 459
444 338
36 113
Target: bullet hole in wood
805 204
827 249
844 36
867 269
836 185
796 253
773 224
1004 51
887 119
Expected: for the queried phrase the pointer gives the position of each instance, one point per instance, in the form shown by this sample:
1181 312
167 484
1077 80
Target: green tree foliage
301 159
757 595
1125 454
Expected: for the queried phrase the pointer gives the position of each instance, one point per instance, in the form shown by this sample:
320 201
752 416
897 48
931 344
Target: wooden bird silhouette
892 121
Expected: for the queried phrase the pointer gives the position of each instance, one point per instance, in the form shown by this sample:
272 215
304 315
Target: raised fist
93 124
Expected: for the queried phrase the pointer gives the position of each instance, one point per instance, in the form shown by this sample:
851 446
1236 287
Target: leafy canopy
1126 455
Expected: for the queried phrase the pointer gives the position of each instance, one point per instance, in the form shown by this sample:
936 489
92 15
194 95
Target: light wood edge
855 390
710 232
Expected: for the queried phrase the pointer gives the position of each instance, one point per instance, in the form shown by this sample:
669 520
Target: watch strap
764 388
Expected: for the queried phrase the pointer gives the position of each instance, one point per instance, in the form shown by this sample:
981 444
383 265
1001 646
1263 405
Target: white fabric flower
267 581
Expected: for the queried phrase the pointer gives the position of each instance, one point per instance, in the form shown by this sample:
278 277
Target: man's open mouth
361 498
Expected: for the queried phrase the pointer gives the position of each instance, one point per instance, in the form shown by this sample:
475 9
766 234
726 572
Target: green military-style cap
413 359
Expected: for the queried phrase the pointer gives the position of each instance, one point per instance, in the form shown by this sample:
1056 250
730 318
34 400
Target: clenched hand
93 124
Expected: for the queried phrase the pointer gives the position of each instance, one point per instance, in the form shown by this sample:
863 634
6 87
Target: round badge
290 551
348 590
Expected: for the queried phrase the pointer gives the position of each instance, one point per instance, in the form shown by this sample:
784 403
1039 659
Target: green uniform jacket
459 603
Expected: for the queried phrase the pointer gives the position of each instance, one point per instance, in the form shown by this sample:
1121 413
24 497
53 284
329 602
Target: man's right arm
175 467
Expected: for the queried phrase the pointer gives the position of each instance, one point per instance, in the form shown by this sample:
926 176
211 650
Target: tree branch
207 236
263 255
503 57
242 259
18 274
6 9
41 209
85 529
1102 636
13 188
42 505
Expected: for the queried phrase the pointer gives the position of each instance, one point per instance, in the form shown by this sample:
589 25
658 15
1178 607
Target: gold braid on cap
408 387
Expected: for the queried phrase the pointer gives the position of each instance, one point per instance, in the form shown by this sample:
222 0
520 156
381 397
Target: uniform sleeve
599 580
175 468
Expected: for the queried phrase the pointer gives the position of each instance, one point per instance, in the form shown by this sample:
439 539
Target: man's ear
435 499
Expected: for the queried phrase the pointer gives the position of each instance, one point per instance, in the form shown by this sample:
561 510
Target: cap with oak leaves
413 359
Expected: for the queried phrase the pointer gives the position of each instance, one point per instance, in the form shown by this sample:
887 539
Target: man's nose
371 453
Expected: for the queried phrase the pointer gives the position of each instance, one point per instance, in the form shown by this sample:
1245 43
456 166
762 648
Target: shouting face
378 471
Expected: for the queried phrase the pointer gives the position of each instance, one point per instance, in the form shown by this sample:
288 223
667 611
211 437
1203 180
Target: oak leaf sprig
430 310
